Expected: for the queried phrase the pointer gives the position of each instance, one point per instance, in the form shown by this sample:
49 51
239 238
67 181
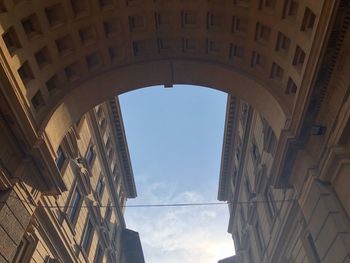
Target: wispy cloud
180 234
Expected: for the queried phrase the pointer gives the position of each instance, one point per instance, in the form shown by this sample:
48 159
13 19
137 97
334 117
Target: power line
167 204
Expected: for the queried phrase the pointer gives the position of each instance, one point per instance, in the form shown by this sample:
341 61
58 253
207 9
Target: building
289 60
273 224
85 223
232 259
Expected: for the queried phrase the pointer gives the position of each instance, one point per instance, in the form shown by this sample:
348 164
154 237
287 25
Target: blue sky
175 139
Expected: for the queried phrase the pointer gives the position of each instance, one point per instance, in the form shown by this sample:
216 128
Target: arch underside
164 72
64 57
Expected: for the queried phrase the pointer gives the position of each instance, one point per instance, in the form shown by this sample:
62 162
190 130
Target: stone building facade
276 224
85 223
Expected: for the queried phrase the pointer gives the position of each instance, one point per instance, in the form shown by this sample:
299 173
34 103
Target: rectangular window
259 237
276 71
255 152
87 237
61 157
299 58
74 206
316 257
308 20
283 42
90 155
108 213
290 9
291 87
270 203
100 187
248 188
99 254
262 32
258 60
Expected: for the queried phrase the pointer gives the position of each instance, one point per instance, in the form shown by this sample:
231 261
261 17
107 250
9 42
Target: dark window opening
87 237
74 206
90 155
61 157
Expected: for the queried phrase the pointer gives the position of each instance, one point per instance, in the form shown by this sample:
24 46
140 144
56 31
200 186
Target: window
108 213
243 219
103 123
314 254
269 138
299 58
238 152
259 236
60 158
90 155
87 236
99 254
115 235
108 143
276 71
291 87
270 202
258 60
283 43
308 20
110 154
236 51
100 187
239 25
99 111
234 176
262 32
74 206
255 152
122 198
269 3
290 9
247 187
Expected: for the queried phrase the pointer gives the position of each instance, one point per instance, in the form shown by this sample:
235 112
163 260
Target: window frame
99 191
90 155
87 237
73 216
61 159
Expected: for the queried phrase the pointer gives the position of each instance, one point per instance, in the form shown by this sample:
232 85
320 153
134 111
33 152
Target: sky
175 139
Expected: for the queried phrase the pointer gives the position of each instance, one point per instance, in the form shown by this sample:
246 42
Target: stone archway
147 74
63 57
51 52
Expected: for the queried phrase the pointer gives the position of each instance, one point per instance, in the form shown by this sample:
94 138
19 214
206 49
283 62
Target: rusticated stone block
18 209
14 219
7 246
11 225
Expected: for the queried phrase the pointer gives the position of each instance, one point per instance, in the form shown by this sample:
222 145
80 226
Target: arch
163 72
65 57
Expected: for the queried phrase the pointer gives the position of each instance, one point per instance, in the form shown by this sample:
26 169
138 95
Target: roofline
123 149
227 146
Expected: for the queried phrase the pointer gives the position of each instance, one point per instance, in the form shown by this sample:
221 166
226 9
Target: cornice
227 147
122 148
